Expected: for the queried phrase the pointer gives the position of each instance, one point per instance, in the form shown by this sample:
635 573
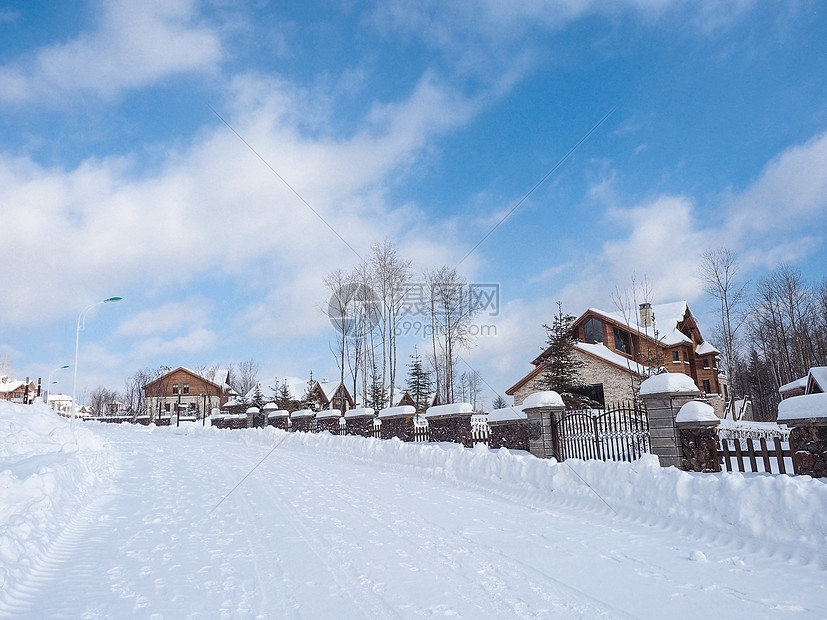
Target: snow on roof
818 374
359 411
329 388
674 382
696 411
603 352
667 317
546 398
449 409
390 412
803 407
704 348
506 413
11 386
798 383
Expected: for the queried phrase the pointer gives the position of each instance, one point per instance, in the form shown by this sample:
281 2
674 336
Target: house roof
615 359
186 370
800 383
817 380
667 317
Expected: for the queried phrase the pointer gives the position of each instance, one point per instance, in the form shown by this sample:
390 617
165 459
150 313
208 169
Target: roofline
187 370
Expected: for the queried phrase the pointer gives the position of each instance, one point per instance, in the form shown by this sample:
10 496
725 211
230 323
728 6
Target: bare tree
247 377
134 390
340 309
101 399
719 274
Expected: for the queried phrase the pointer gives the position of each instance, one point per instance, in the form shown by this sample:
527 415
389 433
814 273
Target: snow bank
46 475
803 407
668 382
548 398
777 514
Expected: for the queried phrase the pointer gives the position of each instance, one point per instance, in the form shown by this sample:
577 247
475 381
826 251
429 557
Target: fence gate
617 433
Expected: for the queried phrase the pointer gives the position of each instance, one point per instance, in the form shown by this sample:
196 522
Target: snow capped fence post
397 422
664 395
543 411
807 415
328 420
252 414
509 428
359 421
451 423
698 426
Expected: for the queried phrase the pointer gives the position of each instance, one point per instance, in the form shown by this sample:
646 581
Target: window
593 331
676 356
166 407
595 392
174 388
706 362
685 358
621 340
707 389
186 388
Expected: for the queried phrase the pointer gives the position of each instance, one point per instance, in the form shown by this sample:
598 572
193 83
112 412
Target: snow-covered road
321 532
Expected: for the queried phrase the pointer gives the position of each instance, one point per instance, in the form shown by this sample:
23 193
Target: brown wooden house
619 351
182 390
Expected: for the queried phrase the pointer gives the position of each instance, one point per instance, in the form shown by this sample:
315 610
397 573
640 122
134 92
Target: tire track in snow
400 524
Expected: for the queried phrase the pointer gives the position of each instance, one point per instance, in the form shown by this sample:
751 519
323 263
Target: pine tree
499 403
562 368
284 399
310 400
419 382
377 394
258 397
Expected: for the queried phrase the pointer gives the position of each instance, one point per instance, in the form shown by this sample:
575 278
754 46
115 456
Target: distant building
186 392
814 382
17 391
617 351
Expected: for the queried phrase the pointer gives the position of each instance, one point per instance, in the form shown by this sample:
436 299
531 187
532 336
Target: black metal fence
620 432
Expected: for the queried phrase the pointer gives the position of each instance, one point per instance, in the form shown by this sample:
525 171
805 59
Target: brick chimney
647 317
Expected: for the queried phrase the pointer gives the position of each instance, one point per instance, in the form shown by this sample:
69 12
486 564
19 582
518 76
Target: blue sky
423 123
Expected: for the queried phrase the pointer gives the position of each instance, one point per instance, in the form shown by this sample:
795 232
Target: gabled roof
605 354
186 370
817 380
667 317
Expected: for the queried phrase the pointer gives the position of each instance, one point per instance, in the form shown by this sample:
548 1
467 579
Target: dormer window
593 331
621 340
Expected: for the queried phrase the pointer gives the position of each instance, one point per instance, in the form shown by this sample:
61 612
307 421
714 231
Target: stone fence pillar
664 395
509 429
328 420
543 411
807 416
397 422
451 423
359 421
698 428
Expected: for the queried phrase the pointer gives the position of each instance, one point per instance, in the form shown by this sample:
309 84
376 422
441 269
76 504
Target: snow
667 317
401 410
798 383
252 410
696 411
506 413
303 413
704 348
359 412
449 409
328 413
668 382
818 374
547 398
278 413
803 407
198 522
604 353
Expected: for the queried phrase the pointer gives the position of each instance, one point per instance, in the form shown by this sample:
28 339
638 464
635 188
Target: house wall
161 391
616 382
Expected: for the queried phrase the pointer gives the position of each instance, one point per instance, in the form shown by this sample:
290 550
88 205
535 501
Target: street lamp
82 325
49 382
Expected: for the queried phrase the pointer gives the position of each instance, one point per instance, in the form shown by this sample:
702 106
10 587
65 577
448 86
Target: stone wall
455 429
362 426
700 449
280 422
303 424
401 427
511 434
331 425
808 444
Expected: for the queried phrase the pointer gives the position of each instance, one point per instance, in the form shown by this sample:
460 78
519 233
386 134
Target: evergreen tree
310 400
419 382
561 367
258 397
284 399
377 394
499 403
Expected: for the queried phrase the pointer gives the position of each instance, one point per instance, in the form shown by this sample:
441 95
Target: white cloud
171 317
136 44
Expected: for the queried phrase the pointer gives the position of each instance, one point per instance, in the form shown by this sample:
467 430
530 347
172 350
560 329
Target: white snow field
128 522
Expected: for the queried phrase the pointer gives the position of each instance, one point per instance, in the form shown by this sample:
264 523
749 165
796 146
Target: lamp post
49 382
82 325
